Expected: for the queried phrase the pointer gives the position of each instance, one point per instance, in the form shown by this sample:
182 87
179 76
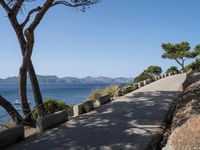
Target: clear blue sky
113 38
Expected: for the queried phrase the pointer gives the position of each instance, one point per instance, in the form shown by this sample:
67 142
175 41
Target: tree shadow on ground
126 123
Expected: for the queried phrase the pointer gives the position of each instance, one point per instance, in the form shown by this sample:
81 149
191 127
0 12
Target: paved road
130 122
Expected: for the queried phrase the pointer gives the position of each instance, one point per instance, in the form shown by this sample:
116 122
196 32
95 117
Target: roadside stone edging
11 136
51 120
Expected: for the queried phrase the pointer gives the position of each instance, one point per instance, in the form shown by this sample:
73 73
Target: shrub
51 106
96 94
143 76
129 84
110 90
193 66
123 91
148 73
172 69
154 70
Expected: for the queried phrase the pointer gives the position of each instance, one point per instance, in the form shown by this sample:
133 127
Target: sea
70 93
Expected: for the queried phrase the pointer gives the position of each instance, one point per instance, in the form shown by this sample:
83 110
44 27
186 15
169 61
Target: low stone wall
51 120
11 136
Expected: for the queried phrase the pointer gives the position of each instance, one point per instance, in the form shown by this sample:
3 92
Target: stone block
137 85
128 89
51 120
104 99
83 107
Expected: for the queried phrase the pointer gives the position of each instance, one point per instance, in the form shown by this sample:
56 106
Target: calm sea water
70 93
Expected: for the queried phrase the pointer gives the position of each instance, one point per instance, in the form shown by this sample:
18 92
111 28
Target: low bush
193 66
51 106
143 76
172 69
148 73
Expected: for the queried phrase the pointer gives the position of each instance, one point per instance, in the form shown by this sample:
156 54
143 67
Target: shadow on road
127 123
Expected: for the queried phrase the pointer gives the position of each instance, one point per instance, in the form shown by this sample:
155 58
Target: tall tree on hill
154 70
179 52
25 35
148 73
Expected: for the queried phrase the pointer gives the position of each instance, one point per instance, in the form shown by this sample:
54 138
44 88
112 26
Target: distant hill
70 80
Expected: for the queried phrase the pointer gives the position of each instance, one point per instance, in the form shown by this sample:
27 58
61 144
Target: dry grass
96 94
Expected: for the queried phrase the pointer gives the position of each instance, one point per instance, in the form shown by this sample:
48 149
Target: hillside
70 80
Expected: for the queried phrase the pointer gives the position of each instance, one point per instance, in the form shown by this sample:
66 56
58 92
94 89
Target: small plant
133 88
123 91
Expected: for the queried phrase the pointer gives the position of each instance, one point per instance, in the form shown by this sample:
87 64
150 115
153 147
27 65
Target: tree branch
5 6
178 61
29 15
77 3
40 14
16 117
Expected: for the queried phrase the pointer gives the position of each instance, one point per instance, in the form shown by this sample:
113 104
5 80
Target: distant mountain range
70 80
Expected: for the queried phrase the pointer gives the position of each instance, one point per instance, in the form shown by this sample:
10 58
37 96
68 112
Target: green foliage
193 66
148 73
129 84
123 91
51 106
179 52
143 76
172 69
154 70
96 94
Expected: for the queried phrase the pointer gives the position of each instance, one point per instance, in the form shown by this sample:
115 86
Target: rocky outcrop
185 127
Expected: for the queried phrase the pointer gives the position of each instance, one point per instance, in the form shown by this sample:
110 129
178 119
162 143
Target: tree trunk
16 117
22 93
36 90
182 66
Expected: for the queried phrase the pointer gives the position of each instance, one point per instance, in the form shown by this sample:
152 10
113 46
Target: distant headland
70 80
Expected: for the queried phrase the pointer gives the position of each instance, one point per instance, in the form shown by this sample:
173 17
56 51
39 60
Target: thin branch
178 61
75 4
40 14
29 15
5 6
